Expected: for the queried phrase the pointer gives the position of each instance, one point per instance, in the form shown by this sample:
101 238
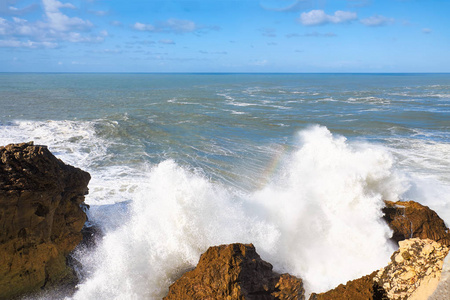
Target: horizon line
219 73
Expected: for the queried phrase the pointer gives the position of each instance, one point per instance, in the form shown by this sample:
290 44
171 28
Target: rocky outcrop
361 288
40 217
413 220
413 273
235 271
414 270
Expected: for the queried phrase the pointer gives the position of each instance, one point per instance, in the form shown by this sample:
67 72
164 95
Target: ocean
297 164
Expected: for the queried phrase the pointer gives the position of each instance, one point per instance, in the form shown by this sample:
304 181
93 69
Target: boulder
361 288
41 217
414 271
413 220
235 271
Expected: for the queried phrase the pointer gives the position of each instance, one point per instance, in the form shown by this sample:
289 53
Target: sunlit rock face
41 216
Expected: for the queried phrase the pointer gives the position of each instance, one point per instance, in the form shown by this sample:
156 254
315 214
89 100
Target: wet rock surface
413 220
235 271
41 218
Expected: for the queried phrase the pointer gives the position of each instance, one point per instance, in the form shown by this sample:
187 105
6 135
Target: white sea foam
318 219
76 143
174 217
370 99
326 204
67 139
426 163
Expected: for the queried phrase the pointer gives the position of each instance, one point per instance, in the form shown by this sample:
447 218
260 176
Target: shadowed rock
235 271
40 217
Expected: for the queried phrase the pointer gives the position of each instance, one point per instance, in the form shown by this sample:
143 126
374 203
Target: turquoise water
216 121
203 159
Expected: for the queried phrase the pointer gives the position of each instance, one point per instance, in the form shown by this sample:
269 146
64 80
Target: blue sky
225 36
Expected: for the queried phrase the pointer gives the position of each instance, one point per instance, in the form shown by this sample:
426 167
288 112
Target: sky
301 36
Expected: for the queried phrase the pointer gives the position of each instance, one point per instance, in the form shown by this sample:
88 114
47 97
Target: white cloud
143 27
377 20
55 27
167 42
9 7
171 25
319 17
426 30
178 25
26 44
312 34
59 21
99 13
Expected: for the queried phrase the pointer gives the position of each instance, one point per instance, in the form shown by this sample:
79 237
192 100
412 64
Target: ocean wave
318 217
316 214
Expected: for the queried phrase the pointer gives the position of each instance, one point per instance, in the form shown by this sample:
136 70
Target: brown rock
40 217
363 288
235 271
413 220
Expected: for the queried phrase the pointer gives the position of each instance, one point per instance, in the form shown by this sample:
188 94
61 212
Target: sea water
297 164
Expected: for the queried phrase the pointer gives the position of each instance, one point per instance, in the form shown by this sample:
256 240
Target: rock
40 217
413 220
417 275
407 220
361 288
235 271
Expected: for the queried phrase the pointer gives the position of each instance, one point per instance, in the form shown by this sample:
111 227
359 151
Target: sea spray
174 218
326 202
319 219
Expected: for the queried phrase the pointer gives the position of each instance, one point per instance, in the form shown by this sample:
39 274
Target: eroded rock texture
361 288
414 271
235 271
40 217
413 220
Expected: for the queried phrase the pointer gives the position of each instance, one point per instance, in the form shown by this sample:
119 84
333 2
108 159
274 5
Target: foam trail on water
319 219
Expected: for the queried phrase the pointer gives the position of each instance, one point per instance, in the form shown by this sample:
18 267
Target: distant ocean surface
297 164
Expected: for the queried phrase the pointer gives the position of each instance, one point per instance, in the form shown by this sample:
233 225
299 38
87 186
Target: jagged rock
413 220
235 271
40 217
414 270
361 288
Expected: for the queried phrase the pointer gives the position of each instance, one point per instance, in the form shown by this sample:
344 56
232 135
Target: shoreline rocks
414 271
410 219
235 271
41 217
